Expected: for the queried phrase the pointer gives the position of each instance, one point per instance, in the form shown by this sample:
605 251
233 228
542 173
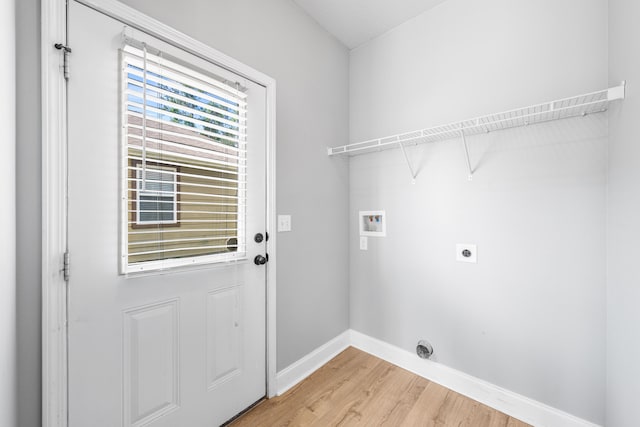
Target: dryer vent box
372 223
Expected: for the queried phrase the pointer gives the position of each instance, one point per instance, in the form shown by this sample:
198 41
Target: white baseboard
298 371
508 402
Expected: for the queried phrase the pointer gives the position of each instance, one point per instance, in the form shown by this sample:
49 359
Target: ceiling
355 22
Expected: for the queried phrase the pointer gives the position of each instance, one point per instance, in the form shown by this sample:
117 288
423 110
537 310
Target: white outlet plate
284 223
466 252
364 243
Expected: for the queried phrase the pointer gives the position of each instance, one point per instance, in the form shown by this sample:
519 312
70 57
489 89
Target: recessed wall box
372 223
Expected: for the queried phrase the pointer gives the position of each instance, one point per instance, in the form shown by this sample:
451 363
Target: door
166 190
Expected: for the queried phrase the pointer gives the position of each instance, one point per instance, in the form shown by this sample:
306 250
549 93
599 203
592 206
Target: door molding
54 184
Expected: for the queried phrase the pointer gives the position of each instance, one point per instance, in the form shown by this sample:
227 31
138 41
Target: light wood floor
356 388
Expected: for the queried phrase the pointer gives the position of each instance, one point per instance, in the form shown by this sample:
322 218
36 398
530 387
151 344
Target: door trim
54 184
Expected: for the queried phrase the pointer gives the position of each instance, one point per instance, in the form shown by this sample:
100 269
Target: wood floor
356 388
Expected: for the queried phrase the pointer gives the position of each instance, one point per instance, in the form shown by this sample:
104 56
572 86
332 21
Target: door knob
259 237
260 260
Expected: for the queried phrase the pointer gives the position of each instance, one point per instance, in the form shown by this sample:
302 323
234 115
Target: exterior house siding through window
207 216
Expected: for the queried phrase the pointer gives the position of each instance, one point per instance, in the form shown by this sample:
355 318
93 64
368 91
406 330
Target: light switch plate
364 243
466 252
284 223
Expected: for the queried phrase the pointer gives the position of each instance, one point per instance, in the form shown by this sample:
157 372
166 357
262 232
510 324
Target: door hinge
66 50
66 266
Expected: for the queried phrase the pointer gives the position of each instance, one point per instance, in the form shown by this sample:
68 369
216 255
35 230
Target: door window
184 163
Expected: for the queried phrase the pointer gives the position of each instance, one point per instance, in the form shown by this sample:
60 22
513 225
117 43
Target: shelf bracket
466 152
617 92
406 158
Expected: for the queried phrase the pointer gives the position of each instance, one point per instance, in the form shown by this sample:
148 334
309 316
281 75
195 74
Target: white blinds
184 164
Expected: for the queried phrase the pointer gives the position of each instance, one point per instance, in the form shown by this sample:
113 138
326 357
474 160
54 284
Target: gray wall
530 316
623 278
311 69
8 399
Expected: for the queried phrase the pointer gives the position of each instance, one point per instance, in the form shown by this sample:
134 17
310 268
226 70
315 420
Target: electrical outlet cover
364 243
284 223
466 252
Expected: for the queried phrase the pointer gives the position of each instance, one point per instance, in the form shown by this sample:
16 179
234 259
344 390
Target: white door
166 190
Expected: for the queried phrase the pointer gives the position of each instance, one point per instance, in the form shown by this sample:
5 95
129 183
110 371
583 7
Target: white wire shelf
581 105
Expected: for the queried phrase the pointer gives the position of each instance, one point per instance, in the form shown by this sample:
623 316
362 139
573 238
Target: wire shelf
581 105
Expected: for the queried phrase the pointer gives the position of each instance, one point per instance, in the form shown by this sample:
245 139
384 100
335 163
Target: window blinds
184 164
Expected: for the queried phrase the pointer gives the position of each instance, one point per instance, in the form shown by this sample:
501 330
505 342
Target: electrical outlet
284 223
364 243
466 252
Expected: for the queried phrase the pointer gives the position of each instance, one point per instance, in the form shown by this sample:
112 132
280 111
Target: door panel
178 347
224 335
151 362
